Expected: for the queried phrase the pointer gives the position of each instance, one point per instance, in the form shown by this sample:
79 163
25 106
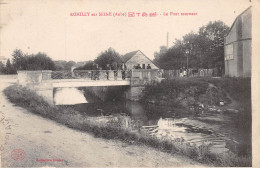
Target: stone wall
134 93
139 79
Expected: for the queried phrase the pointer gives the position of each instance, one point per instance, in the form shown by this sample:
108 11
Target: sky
47 26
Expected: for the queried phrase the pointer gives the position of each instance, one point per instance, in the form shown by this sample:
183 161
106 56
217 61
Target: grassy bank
239 89
31 101
186 92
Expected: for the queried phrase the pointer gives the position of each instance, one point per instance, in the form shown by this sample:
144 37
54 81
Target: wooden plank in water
150 126
205 139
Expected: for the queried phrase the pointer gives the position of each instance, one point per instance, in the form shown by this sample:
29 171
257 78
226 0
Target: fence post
119 75
103 75
111 75
46 74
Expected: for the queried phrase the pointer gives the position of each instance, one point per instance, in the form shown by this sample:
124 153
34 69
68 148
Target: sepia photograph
127 84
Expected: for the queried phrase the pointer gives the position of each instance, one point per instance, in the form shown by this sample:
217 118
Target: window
143 66
229 52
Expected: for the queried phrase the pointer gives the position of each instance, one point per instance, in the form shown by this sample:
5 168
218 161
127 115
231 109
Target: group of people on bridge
116 68
113 66
139 66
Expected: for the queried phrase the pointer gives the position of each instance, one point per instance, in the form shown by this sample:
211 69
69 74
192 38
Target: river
220 130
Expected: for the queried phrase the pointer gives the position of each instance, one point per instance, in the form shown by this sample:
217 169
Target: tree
19 60
40 61
213 35
60 64
69 64
202 50
88 66
163 50
109 56
9 69
2 68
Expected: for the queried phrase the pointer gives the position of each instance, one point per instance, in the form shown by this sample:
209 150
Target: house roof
237 19
128 56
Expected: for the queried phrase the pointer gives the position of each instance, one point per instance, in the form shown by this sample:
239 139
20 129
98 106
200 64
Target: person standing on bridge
92 72
138 66
124 68
184 72
108 67
95 73
114 68
181 72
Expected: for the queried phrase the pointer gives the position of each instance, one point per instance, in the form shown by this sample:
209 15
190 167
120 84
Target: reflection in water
161 122
169 128
69 96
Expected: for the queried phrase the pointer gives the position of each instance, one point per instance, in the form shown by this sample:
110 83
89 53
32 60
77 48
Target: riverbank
42 138
73 119
219 104
187 93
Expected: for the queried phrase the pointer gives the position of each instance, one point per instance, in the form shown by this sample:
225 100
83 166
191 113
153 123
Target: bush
238 88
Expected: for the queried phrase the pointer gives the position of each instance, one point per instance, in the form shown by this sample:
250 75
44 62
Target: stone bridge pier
139 79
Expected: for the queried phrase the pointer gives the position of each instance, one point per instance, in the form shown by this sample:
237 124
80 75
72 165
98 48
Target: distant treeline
39 61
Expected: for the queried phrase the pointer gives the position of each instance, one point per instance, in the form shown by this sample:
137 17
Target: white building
134 58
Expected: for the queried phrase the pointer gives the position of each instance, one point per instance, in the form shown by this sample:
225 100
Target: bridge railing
171 74
92 74
145 76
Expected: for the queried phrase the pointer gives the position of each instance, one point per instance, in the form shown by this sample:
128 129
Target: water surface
222 131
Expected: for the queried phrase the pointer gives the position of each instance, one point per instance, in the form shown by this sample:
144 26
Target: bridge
43 82
83 78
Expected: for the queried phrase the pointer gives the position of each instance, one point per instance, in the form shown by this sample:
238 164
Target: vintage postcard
129 84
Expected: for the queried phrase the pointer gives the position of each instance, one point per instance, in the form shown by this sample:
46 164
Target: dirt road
43 139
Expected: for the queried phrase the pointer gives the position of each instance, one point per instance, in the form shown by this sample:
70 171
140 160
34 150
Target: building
134 58
238 46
